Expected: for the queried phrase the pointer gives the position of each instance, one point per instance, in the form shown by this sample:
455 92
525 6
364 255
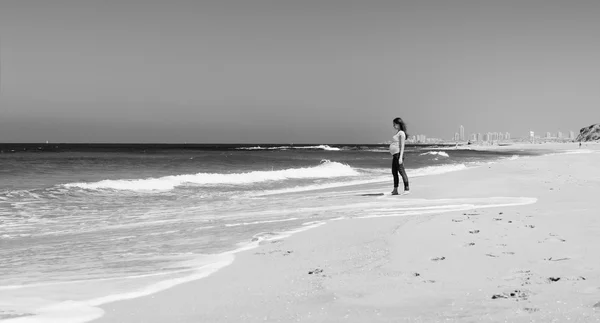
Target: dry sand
538 262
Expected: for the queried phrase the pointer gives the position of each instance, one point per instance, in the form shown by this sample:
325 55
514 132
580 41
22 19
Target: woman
397 151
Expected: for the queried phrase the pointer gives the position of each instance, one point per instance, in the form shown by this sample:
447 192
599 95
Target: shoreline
92 310
246 265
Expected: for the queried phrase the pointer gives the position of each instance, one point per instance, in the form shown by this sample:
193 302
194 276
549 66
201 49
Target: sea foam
421 207
326 169
323 147
436 153
379 178
86 310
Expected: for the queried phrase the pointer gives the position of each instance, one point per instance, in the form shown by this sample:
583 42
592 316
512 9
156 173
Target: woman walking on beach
397 151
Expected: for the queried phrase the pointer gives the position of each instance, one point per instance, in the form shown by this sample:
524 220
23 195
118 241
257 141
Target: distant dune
591 133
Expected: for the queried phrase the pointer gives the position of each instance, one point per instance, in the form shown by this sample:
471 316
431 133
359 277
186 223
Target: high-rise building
456 136
479 137
571 135
507 136
461 132
532 136
548 135
500 136
559 135
473 137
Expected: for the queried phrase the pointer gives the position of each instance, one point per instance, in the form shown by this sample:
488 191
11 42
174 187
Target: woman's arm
402 140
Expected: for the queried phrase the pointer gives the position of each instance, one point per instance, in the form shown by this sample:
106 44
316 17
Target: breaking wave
323 147
436 153
327 169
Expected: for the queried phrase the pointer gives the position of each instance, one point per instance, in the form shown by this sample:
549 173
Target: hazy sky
302 71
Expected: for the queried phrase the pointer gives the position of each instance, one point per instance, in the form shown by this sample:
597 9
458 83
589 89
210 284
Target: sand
531 263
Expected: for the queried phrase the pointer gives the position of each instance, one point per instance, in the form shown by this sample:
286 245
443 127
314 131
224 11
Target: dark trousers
399 168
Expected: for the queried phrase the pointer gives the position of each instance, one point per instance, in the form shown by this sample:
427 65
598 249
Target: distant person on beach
580 144
397 151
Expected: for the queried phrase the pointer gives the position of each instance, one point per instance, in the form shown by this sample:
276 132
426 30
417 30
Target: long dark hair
402 124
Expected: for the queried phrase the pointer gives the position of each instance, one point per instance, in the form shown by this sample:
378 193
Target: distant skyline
326 71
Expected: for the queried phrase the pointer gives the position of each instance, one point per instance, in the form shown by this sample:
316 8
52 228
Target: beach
238 161
536 261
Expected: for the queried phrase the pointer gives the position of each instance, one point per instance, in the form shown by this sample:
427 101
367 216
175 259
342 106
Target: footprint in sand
491 255
526 277
474 231
557 259
315 272
553 239
508 253
531 226
438 258
573 278
470 244
513 294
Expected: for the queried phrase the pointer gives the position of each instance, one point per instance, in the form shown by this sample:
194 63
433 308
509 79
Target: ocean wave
449 205
264 148
250 148
323 147
378 150
378 178
436 153
78 311
435 170
423 171
327 169
319 147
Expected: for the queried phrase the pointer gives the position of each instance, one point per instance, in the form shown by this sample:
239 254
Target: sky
294 71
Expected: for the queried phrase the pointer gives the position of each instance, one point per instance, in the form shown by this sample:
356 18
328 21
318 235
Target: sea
83 225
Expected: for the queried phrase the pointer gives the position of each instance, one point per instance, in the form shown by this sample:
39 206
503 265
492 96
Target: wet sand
537 262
